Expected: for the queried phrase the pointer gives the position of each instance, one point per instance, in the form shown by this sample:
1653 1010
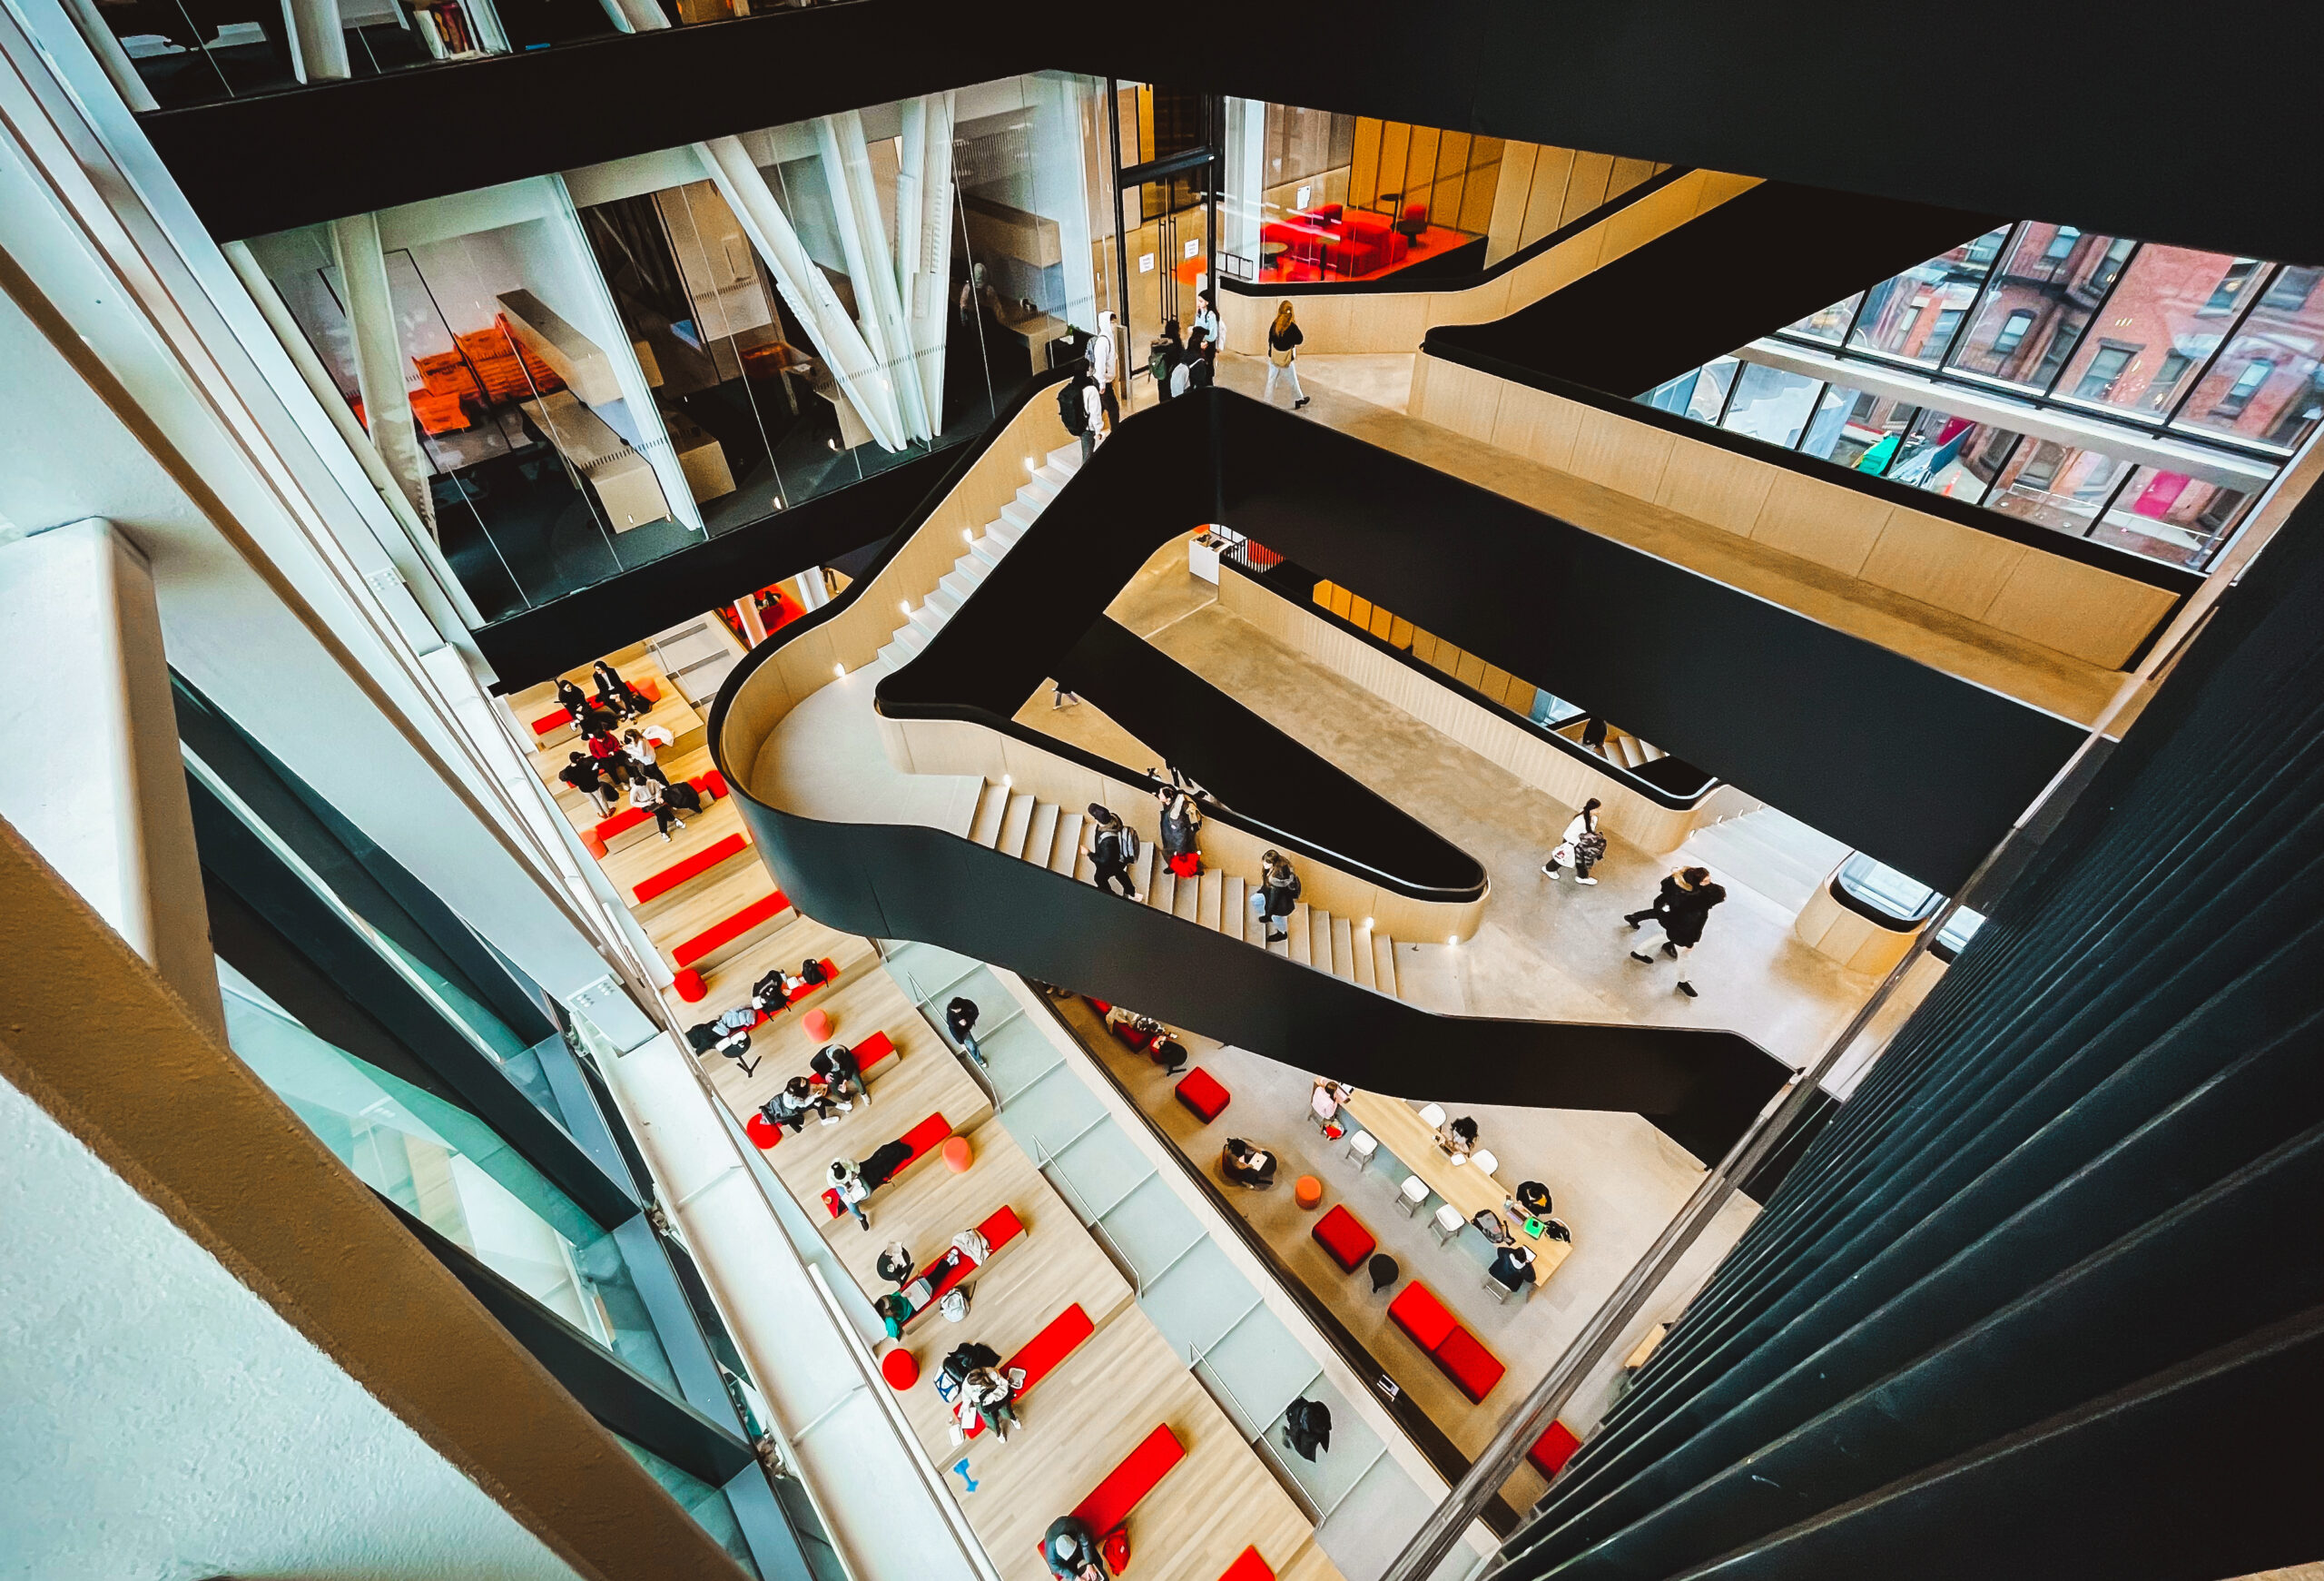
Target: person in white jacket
643 745
1104 362
1581 844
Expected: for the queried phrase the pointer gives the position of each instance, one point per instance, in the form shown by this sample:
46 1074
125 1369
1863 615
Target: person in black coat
581 774
615 695
961 1017
1112 849
1072 1552
1277 896
1683 907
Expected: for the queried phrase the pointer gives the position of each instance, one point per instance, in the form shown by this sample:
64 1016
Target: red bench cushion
712 785
871 1051
1418 1312
1342 1234
1463 1359
1044 1351
1109 1504
1247 1566
692 868
1552 1449
1200 1092
719 934
999 1230
923 1139
830 975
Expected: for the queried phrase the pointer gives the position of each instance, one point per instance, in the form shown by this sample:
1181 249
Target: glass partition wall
170 52
2125 392
569 375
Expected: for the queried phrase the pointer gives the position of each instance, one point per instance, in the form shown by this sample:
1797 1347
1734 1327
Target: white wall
159 1421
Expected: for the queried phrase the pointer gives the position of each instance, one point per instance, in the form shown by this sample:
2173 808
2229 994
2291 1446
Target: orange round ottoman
818 1024
1308 1191
956 1154
899 1369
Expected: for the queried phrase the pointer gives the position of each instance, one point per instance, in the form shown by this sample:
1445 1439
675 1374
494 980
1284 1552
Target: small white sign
1194 248
1306 193
1146 263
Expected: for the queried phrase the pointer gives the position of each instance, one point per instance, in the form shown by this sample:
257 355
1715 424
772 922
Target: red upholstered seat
1418 1312
1110 1502
1247 1566
1552 1449
727 930
900 1369
548 724
874 1051
1053 1345
1342 1234
692 868
1100 1005
1462 1358
1199 1091
689 986
712 785
922 1139
999 1230
830 975
764 1133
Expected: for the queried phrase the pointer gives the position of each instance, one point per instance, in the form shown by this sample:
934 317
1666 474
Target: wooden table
1413 1142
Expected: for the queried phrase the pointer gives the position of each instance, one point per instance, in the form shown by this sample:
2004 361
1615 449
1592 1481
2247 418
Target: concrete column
81 640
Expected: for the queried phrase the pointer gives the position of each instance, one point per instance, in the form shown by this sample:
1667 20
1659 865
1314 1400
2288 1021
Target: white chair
1485 1162
1360 1147
1433 1116
1411 1194
1448 1223
1497 1290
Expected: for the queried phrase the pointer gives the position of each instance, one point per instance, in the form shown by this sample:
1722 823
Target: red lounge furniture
899 1368
1199 1091
1472 1368
1100 1005
1247 1566
1463 1359
1552 1449
692 868
958 1154
922 1139
1307 1191
1342 1234
1109 1504
720 934
818 1024
690 987
872 1051
764 1133
629 818
830 975
550 723
1053 1345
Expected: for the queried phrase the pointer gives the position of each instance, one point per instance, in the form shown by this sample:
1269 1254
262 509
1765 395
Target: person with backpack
961 1017
1307 1427
1581 844
1682 908
1162 359
1104 366
1073 411
1113 847
1282 351
1277 893
1198 369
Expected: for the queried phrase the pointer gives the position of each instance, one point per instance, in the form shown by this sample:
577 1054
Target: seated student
985 1396
616 695
611 760
656 798
683 796
1328 1097
848 1184
1531 1200
779 987
798 1100
843 1078
1072 1552
1167 1052
1245 1165
578 707
1513 1267
642 747
1460 1138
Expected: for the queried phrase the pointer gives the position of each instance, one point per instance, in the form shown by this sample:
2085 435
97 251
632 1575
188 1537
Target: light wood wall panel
1556 772
2085 611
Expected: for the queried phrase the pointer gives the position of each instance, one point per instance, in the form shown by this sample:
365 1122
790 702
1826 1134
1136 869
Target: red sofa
1552 1449
1329 236
1342 1234
1472 1368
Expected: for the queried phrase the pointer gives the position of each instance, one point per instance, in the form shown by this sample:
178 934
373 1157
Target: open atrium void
864 791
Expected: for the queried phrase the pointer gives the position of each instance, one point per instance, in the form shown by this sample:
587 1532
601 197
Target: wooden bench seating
599 837
922 1139
553 727
870 1054
1110 1502
999 1228
707 946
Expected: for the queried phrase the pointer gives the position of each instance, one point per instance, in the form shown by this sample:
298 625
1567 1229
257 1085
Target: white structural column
318 41
635 15
870 263
924 241
797 276
379 359
105 804
1242 195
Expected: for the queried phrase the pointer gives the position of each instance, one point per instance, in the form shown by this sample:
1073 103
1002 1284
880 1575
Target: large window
2150 340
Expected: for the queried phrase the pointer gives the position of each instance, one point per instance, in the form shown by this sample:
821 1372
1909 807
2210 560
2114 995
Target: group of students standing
1179 362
